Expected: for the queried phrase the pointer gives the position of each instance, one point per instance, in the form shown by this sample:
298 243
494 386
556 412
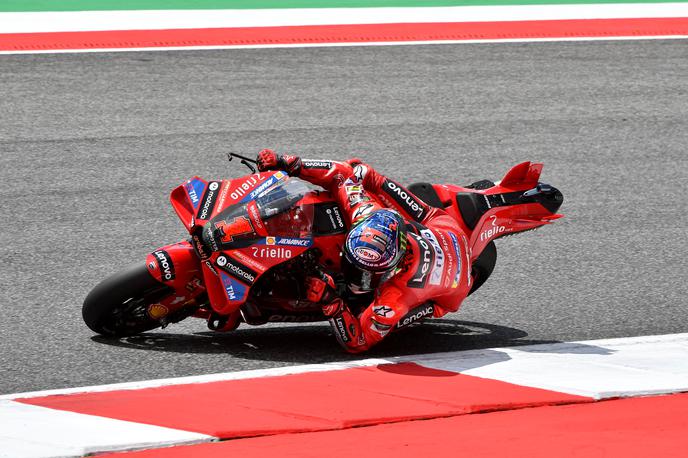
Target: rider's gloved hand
321 288
269 160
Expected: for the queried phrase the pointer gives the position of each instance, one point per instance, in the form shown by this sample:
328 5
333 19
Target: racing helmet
373 248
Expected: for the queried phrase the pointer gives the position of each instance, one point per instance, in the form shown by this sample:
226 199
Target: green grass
107 5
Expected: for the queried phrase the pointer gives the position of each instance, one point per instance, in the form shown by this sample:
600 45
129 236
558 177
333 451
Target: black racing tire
483 266
118 306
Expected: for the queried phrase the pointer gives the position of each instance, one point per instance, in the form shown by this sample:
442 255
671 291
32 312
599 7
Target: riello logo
493 231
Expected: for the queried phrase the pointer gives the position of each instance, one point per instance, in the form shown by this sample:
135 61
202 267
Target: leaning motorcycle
253 241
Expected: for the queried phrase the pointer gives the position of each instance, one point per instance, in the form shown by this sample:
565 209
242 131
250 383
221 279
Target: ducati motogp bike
253 240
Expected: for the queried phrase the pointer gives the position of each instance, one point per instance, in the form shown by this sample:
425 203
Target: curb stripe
306 35
310 402
34 431
658 362
640 427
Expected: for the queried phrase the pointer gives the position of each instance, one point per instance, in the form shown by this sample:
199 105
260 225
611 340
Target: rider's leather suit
431 280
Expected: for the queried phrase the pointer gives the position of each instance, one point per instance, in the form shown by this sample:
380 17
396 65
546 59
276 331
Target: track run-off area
92 143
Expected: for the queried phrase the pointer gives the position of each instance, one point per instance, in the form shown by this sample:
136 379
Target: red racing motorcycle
255 239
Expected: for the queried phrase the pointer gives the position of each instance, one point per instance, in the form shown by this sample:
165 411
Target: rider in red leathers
414 256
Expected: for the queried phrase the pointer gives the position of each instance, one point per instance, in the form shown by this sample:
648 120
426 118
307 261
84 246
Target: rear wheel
118 306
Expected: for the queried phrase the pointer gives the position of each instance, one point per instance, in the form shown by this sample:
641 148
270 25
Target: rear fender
178 267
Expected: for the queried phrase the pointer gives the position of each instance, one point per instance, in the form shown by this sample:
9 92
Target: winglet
524 175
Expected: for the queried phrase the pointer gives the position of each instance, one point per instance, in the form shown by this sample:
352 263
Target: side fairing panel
178 267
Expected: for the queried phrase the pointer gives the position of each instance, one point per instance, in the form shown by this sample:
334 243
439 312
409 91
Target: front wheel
118 306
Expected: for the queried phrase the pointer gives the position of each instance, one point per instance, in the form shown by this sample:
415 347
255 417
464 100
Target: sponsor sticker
244 187
234 289
366 254
415 315
438 267
248 260
271 252
254 214
362 211
492 231
199 246
335 218
426 258
384 311
164 264
357 199
206 208
236 269
316 164
404 199
294 242
360 171
457 252
265 186
194 188
157 311
339 326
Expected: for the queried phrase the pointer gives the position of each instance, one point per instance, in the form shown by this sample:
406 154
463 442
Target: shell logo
270 240
157 311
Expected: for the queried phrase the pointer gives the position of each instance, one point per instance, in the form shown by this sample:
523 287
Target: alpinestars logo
209 200
405 200
383 311
236 269
361 211
165 265
416 314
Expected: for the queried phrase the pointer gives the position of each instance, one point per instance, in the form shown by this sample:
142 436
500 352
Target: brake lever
244 160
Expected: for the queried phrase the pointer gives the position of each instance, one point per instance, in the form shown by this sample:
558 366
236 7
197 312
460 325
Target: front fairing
250 235
241 228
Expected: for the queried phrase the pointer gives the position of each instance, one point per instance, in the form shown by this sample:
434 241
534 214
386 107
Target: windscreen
280 212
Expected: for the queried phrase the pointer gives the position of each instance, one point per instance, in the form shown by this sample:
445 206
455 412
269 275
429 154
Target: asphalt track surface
91 145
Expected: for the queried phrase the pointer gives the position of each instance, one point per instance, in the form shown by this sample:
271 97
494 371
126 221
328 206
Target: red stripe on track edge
360 33
629 428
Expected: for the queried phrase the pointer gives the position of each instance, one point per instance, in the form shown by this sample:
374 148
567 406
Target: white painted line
28 431
81 21
331 45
